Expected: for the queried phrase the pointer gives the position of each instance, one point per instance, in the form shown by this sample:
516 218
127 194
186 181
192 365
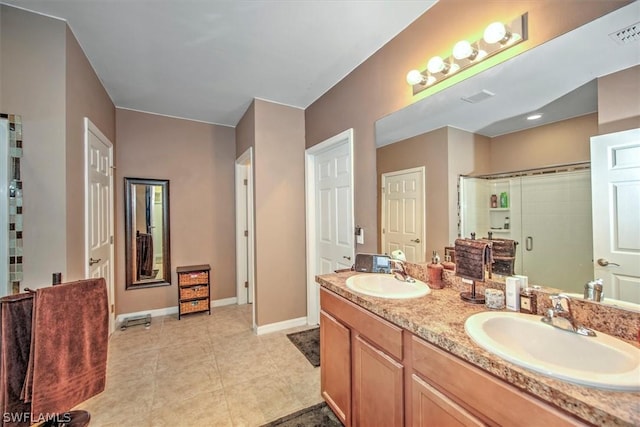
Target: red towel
69 346
15 343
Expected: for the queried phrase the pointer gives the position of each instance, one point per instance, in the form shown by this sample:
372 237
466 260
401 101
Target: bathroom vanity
409 362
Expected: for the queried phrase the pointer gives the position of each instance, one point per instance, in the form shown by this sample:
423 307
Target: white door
330 230
615 182
403 213
244 228
99 210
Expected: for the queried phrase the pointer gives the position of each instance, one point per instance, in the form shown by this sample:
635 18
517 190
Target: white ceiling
207 59
556 79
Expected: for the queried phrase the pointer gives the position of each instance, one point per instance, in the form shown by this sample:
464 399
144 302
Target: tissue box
512 291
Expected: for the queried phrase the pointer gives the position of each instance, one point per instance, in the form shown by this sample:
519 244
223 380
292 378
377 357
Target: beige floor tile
202 371
204 409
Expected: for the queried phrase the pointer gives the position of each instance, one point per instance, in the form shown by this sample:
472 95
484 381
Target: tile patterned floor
202 371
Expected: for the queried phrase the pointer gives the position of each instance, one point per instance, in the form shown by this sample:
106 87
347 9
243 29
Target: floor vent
480 96
627 35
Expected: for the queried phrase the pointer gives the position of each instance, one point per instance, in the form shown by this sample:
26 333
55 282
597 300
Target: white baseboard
279 326
224 301
172 310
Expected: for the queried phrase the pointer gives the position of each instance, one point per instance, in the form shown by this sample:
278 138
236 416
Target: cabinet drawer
194 306
477 390
198 291
196 278
377 330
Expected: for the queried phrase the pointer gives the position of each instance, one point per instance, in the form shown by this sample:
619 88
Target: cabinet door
432 408
377 387
335 374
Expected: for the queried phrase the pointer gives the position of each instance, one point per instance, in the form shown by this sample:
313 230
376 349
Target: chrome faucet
558 311
399 270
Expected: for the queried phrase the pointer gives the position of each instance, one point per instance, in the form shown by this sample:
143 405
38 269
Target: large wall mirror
521 86
147 243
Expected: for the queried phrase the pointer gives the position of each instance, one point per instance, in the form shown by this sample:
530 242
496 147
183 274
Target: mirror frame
165 280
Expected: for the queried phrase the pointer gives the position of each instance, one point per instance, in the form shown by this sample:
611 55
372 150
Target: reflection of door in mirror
147 232
403 213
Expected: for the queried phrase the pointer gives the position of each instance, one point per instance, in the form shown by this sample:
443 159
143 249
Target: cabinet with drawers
194 289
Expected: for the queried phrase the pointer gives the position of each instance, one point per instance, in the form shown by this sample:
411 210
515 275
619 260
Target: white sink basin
386 286
603 361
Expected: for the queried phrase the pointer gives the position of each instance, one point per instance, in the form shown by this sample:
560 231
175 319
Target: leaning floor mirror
147 243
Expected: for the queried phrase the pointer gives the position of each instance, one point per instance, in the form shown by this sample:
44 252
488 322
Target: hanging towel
144 248
15 345
69 347
503 252
471 258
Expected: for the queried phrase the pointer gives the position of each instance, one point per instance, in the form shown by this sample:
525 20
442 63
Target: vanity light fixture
497 38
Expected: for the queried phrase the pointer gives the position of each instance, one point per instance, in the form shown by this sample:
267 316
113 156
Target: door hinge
111 240
246 233
113 308
246 182
246 284
383 231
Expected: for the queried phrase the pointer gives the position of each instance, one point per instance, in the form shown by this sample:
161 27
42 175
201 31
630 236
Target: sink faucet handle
556 301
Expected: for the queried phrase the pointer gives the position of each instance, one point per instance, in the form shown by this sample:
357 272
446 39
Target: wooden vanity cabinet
472 396
374 373
362 372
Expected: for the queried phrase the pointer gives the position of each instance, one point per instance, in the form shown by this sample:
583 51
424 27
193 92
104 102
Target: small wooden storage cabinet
194 289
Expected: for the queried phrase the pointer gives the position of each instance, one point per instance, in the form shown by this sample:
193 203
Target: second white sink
386 286
602 361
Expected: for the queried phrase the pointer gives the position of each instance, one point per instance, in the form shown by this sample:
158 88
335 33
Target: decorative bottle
435 272
504 200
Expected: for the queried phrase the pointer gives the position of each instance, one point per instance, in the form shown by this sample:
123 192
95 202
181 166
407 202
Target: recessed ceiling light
534 117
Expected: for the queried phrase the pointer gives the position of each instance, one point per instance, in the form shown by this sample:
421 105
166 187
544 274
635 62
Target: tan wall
377 87
33 85
246 131
619 101
445 153
429 150
553 144
468 154
279 213
198 160
85 97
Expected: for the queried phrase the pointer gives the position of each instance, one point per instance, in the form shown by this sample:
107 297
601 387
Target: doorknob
348 258
416 240
603 263
94 261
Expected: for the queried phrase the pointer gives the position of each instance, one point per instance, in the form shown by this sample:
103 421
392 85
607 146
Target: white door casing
330 213
615 182
403 213
245 244
99 248
5 285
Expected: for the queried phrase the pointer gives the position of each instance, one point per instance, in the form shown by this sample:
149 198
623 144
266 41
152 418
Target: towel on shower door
15 343
69 347
471 258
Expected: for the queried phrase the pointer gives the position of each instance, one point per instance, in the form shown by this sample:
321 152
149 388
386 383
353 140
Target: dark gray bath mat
308 342
314 416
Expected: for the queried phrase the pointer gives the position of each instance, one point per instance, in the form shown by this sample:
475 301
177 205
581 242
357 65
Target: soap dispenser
435 272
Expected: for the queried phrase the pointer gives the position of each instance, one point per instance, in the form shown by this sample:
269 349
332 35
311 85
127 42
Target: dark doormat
308 342
314 416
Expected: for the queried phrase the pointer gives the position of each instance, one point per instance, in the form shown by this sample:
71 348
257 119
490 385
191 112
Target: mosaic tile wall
15 201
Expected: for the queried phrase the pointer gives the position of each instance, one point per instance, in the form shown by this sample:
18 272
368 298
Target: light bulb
415 77
436 65
496 32
462 50
534 116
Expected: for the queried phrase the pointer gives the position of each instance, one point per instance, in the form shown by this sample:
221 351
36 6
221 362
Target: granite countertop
439 319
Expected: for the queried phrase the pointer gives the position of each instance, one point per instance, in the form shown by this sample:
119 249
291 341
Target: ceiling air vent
478 97
627 35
